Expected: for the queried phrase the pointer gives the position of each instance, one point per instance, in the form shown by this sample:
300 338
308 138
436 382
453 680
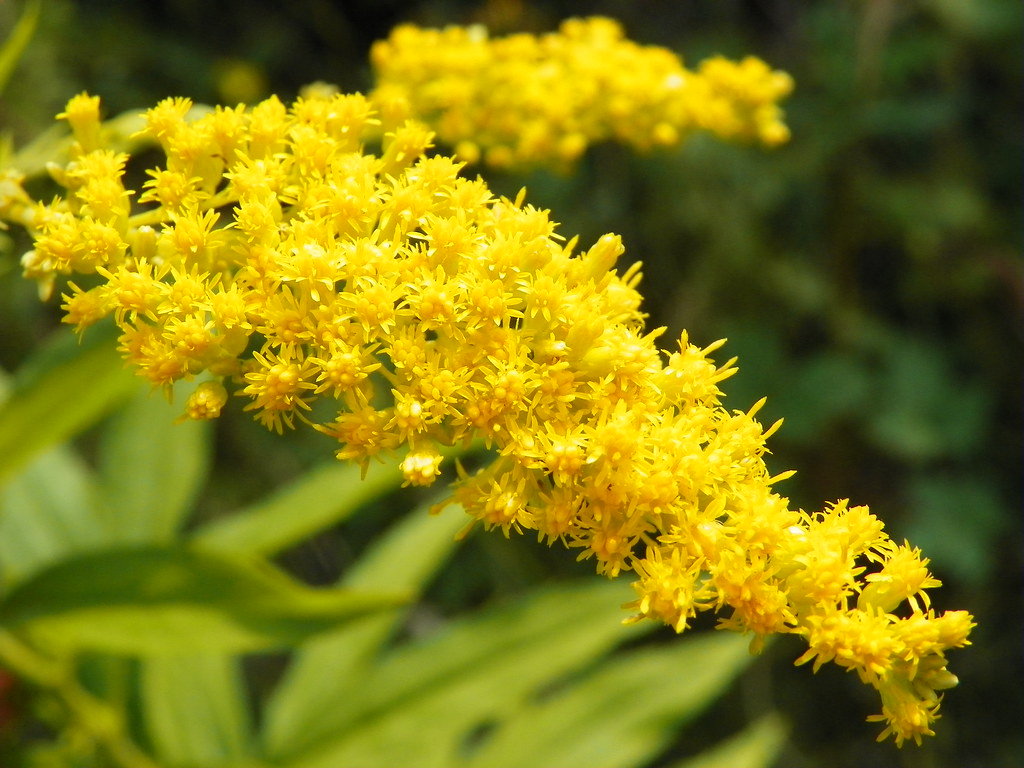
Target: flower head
542 99
283 260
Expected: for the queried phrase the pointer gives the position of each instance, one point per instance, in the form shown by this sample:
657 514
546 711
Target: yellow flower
525 100
421 467
83 115
278 383
281 257
207 401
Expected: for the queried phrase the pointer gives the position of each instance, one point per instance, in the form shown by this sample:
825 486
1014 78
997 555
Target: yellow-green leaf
172 600
62 390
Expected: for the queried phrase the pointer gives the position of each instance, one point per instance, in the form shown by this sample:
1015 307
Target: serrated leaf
914 419
172 600
957 519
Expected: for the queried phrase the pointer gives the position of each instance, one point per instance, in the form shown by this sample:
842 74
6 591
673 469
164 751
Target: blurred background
868 275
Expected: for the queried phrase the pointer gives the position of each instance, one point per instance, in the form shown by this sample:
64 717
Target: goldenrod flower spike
288 264
527 100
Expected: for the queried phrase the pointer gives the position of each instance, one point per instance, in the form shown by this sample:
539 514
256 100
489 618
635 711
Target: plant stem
98 718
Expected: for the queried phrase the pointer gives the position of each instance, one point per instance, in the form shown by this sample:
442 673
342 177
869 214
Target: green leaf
16 42
925 411
322 497
194 709
307 704
47 511
624 712
62 390
757 746
172 600
152 467
958 519
430 695
824 389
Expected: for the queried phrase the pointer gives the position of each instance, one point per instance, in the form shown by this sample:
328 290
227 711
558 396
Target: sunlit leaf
428 696
62 390
152 467
322 497
308 704
624 712
194 709
51 508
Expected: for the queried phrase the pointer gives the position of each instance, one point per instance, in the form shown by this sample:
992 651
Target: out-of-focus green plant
15 43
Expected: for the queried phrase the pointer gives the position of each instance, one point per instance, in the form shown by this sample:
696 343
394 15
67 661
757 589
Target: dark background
868 275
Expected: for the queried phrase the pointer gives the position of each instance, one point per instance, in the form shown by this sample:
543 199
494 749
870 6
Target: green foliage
195 709
150 485
324 496
165 600
14 45
615 735
755 747
48 511
36 416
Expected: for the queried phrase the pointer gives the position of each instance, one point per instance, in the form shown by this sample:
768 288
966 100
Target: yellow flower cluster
526 99
397 306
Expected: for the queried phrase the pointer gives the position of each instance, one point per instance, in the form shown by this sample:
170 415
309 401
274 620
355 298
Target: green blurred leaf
624 712
763 363
194 709
957 522
910 116
172 600
62 390
428 696
48 510
923 409
307 704
16 42
757 746
825 388
322 497
943 206
979 18
151 468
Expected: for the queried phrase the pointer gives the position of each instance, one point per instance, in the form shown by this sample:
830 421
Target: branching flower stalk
397 306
